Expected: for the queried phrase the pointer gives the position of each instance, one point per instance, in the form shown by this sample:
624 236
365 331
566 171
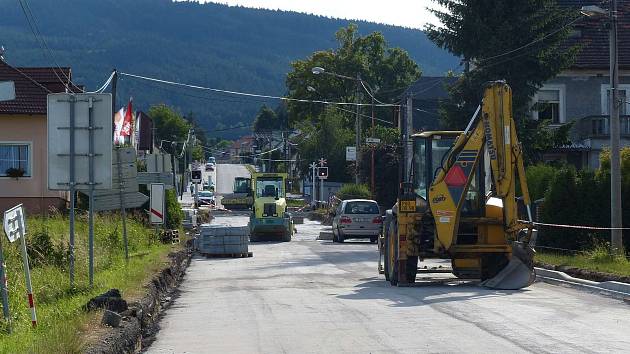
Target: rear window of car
361 208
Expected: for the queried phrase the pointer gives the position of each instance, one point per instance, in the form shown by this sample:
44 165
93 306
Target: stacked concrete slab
223 240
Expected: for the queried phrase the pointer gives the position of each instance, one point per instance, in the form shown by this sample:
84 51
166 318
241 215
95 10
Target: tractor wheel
412 268
392 253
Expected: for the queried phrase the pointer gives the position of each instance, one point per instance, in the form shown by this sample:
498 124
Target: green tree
389 71
520 41
327 138
169 125
266 120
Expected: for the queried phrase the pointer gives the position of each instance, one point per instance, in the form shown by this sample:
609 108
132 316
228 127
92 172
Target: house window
625 125
624 107
15 157
549 105
598 126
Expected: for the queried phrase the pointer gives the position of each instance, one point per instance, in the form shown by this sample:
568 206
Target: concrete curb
613 288
325 235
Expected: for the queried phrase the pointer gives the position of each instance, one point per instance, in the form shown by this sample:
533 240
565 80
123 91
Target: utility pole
313 166
407 145
114 84
373 184
616 237
357 126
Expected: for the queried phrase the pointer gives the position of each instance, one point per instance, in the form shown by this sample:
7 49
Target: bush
174 213
354 191
538 179
574 198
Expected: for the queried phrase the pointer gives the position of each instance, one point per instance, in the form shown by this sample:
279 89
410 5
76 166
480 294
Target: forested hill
212 45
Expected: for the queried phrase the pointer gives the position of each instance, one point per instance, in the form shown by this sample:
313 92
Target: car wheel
373 239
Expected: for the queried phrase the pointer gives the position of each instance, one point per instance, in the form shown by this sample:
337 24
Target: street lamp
616 236
317 70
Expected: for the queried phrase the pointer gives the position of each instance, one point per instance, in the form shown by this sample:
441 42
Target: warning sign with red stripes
156 206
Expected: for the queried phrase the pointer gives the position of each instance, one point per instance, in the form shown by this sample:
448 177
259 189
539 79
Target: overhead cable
238 93
534 41
30 18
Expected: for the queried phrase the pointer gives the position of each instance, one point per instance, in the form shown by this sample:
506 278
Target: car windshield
269 187
205 194
362 207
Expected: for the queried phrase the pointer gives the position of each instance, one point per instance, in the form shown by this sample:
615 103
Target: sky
406 13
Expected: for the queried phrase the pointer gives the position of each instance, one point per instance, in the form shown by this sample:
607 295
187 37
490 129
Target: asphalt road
310 296
226 174
187 199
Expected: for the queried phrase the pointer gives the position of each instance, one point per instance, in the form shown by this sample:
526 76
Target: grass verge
62 323
597 260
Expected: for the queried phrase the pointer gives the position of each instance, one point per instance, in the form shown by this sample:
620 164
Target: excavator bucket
519 272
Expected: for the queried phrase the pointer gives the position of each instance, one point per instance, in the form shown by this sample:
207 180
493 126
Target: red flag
127 127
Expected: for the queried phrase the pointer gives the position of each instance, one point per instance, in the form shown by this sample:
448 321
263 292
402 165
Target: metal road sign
372 140
112 201
156 177
14 224
351 153
71 112
159 163
7 91
156 209
127 155
125 167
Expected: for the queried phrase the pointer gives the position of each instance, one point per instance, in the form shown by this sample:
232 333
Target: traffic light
196 176
322 172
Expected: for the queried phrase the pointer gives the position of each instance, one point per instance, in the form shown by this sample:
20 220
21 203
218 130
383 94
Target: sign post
74 152
322 163
4 289
14 228
313 167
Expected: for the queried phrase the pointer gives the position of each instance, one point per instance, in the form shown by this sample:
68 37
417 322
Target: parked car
190 218
206 198
357 218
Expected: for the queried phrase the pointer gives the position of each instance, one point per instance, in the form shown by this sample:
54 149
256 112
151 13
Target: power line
28 77
238 93
30 19
534 41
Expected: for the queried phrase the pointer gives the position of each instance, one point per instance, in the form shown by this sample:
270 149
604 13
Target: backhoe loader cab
458 202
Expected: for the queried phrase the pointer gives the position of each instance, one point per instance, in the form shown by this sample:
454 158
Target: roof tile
29 87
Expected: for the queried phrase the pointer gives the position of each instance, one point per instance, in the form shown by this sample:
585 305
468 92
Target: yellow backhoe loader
457 201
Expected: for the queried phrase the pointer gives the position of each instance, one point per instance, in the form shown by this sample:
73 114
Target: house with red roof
581 94
23 137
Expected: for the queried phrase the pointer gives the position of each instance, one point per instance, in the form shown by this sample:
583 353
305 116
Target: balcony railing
599 127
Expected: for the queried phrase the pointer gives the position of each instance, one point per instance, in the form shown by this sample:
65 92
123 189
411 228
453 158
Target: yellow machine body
460 202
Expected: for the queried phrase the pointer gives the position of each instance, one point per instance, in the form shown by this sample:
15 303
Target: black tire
385 240
392 246
412 269
386 254
373 239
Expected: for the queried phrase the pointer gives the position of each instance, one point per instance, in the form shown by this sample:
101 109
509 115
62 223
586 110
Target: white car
357 218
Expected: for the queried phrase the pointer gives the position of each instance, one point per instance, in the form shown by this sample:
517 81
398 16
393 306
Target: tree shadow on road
422 294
